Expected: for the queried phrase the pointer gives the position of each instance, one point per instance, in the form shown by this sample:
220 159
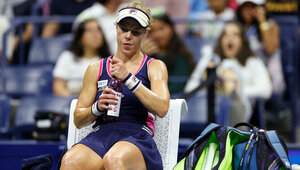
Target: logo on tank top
102 84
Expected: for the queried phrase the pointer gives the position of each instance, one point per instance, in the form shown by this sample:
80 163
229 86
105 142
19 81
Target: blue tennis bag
225 148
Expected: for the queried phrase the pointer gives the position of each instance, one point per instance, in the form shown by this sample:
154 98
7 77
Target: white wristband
132 82
95 110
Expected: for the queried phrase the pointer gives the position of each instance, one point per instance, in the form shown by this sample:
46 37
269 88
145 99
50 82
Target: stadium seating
5 110
24 121
47 50
27 80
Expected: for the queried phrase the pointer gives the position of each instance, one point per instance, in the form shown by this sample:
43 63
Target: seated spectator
25 31
88 45
4 26
243 75
210 23
175 9
22 43
264 38
105 11
64 8
165 44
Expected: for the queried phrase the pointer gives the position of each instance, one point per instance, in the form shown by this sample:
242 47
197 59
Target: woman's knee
113 161
72 160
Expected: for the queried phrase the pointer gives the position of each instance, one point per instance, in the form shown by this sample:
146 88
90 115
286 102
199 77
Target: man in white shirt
212 21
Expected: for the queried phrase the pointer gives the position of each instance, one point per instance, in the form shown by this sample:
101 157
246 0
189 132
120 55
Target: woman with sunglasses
126 143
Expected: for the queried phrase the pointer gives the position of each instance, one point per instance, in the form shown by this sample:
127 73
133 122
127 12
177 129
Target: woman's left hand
118 69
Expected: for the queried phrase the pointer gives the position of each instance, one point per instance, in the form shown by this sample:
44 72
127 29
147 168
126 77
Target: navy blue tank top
132 110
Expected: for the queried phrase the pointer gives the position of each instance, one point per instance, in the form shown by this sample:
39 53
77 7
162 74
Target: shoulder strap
100 68
277 146
211 127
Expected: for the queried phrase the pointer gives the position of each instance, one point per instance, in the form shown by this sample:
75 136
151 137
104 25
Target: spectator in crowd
264 37
165 44
4 26
64 8
6 7
175 9
87 46
22 40
105 11
22 43
209 24
243 75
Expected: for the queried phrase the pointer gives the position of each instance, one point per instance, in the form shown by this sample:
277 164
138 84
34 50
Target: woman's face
129 37
217 5
92 38
161 33
248 12
231 41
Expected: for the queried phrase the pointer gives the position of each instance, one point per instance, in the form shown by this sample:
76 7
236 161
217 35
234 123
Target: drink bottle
113 114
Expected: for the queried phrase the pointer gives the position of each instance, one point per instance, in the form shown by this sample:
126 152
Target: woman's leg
81 157
124 155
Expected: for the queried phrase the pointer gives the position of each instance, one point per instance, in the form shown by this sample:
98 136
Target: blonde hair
140 5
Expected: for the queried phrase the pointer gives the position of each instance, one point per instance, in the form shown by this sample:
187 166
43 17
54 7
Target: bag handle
244 124
211 127
273 139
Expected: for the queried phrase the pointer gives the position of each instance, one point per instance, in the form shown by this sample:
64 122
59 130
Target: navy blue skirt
108 134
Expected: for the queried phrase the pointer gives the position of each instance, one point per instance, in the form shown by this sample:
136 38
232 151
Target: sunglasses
134 32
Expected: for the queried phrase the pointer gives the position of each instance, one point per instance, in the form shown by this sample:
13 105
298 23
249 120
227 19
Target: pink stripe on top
150 122
100 69
107 66
150 61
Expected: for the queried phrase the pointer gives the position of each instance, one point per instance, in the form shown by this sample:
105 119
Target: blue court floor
13 152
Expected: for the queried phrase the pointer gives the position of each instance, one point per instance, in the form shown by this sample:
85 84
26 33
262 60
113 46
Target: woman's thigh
81 157
126 153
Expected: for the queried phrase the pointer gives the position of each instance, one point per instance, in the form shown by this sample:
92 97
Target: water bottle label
115 108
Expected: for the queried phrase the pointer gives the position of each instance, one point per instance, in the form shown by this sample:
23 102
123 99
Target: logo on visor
132 11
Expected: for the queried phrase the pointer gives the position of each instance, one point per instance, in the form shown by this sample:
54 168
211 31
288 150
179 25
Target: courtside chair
166 131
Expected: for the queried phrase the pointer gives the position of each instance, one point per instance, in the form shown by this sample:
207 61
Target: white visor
137 14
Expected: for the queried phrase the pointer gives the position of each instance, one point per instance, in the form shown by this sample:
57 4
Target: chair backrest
166 131
21 81
30 105
47 50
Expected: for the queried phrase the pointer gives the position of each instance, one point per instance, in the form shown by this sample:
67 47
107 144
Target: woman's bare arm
157 99
82 114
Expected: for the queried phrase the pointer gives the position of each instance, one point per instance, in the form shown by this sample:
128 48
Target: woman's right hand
149 47
106 98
